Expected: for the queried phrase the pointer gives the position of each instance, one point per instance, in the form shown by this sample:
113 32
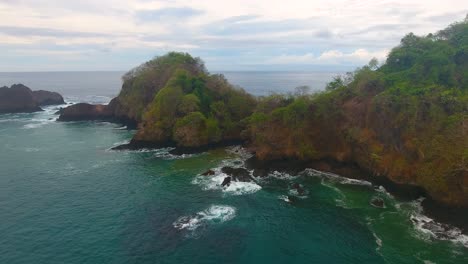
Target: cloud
331 57
47 32
179 13
227 34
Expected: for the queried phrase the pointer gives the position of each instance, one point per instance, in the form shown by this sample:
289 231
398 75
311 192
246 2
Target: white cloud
253 31
331 57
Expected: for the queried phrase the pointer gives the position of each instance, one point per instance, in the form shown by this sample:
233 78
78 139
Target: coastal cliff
405 120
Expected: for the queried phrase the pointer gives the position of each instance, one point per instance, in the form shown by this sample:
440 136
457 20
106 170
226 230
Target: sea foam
213 182
428 228
213 215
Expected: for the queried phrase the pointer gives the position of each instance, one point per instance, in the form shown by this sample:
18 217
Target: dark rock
299 189
17 99
238 174
47 98
292 199
20 99
209 173
59 111
139 144
83 111
226 181
262 168
377 202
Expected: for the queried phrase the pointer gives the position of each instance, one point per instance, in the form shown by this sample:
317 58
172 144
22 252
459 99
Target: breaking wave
428 228
213 182
215 214
336 178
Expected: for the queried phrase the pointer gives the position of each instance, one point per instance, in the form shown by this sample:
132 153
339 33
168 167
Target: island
404 122
21 99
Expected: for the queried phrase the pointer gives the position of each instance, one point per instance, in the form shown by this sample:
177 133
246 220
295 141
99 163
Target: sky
89 35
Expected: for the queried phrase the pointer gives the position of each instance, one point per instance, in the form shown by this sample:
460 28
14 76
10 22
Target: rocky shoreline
454 216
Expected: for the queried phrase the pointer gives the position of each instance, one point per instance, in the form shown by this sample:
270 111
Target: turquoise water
66 198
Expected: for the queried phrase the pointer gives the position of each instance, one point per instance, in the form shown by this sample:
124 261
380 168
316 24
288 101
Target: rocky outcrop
226 182
83 111
238 174
17 99
47 98
377 202
20 99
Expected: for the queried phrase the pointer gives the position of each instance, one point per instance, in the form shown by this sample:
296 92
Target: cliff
19 98
406 120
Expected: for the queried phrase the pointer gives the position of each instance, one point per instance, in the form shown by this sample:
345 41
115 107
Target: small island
21 99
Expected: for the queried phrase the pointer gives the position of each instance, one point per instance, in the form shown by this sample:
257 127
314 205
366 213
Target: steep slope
407 120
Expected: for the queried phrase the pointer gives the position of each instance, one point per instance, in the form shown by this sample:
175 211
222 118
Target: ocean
66 197
99 87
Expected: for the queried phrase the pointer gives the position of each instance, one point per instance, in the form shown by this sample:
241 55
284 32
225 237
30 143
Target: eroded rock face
84 111
17 99
47 98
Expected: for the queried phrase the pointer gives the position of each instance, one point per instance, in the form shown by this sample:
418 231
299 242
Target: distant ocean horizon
101 86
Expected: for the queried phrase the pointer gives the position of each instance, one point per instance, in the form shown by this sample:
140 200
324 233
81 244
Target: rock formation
20 99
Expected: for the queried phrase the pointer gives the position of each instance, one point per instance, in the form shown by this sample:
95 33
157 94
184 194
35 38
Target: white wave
428 228
336 178
31 149
283 175
213 215
10 120
37 124
213 182
296 192
121 128
284 198
165 154
241 188
124 142
378 241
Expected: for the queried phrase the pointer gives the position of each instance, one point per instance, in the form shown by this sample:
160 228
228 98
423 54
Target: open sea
65 197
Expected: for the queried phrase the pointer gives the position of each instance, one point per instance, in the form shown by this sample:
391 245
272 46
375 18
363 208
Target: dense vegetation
407 119
190 107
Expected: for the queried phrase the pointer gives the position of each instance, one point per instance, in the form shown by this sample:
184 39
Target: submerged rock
377 202
208 173
298 188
